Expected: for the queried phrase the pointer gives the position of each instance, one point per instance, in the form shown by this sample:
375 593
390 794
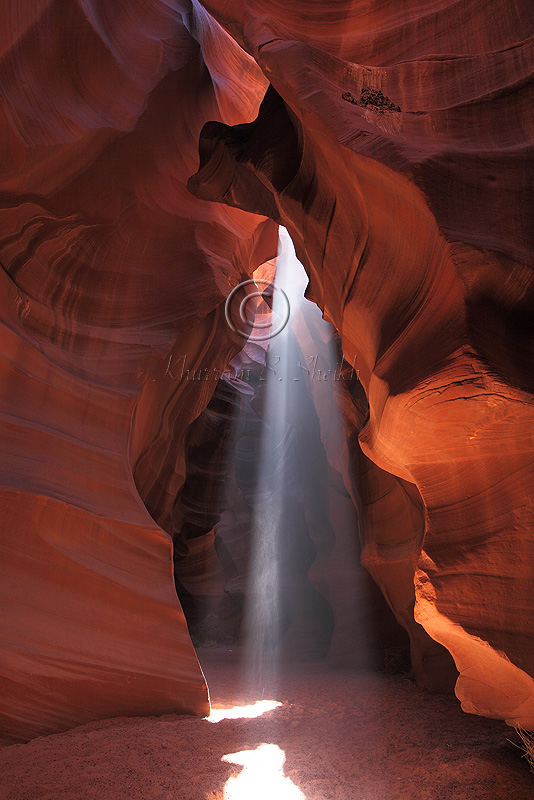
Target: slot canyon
267 399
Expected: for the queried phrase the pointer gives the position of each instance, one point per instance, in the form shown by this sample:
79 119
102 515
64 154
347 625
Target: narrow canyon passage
298 648
301 490
345 735
274 561
268 523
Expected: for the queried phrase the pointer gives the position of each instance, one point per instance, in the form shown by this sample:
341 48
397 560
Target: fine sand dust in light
337 735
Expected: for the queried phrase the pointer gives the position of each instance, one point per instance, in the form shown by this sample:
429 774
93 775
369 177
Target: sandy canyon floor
345 736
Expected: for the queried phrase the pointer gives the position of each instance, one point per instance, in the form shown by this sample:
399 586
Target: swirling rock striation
415 228
110 271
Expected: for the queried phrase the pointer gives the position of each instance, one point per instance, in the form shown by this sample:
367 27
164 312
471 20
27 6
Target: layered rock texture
395 143
403 182
111 272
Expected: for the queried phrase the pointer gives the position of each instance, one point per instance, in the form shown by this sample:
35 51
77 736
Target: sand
345 735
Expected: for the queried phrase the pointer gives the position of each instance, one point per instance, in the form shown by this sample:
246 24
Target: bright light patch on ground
262 776
243 712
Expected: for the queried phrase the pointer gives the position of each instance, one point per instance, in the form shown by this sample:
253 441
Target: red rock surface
415 227
111 271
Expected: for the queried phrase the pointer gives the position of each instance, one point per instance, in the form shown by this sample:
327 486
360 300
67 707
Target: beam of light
251 711
264 613
303 360
262 776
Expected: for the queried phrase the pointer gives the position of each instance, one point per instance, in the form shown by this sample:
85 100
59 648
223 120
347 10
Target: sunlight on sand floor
262 776
243 712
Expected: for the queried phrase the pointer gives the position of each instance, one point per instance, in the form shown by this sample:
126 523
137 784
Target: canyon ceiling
149 152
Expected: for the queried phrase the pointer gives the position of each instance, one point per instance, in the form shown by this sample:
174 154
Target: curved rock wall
395 145
110 271
409 204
